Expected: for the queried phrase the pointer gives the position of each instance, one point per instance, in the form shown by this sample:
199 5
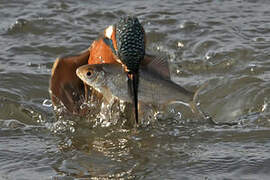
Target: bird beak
133 83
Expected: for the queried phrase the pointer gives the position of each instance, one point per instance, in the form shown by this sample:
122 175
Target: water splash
47 103
180 44
11 124
265 105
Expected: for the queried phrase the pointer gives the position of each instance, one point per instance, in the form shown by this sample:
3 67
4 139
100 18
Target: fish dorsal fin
157 64
112 68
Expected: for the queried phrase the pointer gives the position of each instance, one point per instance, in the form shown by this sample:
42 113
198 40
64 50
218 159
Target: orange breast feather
101 53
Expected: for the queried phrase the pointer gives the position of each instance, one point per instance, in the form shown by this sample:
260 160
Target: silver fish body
111 81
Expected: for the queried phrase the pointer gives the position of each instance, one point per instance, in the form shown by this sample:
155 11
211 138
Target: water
224 43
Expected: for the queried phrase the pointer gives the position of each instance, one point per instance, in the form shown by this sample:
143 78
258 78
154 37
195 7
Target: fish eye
89 73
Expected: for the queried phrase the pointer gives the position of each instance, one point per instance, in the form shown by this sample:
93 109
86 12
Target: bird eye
89 73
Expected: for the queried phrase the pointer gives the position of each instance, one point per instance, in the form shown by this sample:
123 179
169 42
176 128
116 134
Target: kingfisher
123 42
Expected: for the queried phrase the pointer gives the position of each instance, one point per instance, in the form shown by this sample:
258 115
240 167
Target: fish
111 81
155 88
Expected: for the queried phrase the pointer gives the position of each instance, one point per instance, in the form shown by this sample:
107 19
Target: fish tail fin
194 105
195 108
197 92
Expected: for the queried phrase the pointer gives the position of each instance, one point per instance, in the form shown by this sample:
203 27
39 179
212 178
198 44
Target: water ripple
224 43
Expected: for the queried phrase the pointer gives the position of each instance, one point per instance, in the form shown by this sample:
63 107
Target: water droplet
264 106
178 116
180 45
69 143
182 26
47 103
101 59
105 124
252 66
72 129
207 57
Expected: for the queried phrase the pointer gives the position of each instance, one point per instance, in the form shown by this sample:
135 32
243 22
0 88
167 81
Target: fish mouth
79 72
83 72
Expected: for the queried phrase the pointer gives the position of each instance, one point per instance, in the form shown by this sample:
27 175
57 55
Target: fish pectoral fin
157 64
107 95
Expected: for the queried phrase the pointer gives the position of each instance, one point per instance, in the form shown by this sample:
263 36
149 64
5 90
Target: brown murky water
225 43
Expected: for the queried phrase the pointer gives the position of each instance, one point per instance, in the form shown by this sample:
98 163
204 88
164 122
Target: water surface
224 43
